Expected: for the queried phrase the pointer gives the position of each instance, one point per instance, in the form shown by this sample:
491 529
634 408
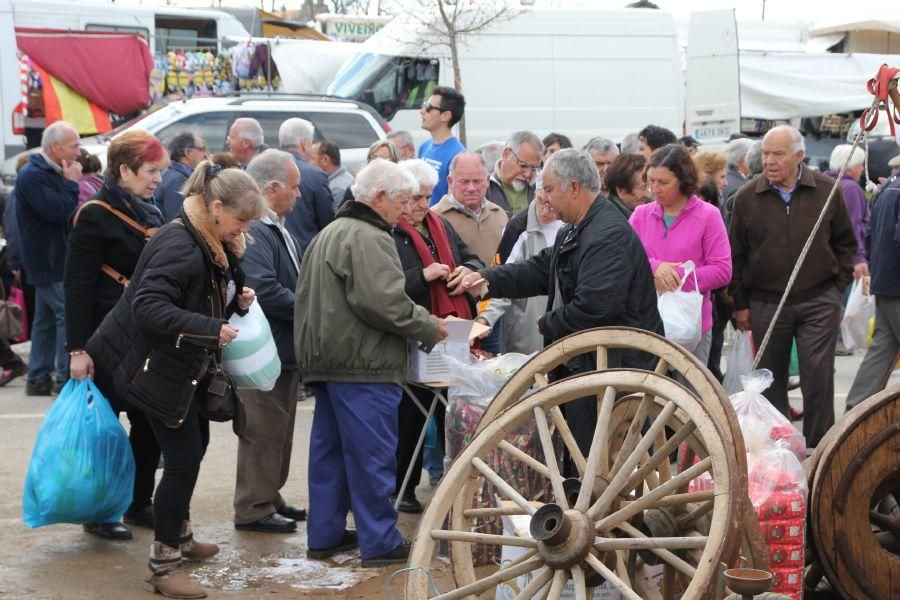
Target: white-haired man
46 196
737 171
404 142
511 184
773 215
271 265
351 322
246 139
315 209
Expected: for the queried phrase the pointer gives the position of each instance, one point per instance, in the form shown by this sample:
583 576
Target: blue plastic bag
82 468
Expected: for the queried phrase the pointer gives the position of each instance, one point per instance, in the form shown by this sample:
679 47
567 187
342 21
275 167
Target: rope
387 584
787 290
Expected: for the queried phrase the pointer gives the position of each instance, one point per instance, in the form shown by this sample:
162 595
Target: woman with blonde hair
161 346
712 167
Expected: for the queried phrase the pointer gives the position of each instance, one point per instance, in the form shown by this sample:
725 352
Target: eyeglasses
200 148
428 107
524 165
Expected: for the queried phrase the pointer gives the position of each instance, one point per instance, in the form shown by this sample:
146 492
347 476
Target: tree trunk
457 82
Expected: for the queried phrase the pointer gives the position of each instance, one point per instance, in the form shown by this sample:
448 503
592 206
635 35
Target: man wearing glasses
186 150
512 179
439 114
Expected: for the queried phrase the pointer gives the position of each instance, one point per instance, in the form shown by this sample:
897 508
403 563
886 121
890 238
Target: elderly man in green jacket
352 320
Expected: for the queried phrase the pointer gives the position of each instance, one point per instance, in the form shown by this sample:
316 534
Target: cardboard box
430 367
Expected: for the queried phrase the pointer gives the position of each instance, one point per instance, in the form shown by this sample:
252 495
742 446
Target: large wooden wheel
603 527
855 489
670 358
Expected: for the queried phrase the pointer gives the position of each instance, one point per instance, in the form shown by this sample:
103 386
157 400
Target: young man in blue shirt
439 114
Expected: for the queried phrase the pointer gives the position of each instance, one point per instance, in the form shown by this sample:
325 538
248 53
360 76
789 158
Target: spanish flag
62 103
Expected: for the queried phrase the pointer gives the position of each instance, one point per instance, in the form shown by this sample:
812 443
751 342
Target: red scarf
442 303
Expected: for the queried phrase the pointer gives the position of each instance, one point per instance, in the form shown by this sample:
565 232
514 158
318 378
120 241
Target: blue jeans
352 465
48 334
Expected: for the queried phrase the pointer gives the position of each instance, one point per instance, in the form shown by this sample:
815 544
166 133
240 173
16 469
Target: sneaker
9 374
43 387
409 504
842 350
398 555
349 541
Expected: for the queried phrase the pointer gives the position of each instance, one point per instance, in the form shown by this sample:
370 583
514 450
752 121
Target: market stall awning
110 69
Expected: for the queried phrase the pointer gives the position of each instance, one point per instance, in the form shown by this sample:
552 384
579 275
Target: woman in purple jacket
855 199
678 227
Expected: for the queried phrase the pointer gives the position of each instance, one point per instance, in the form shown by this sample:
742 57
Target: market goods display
635 517
854 528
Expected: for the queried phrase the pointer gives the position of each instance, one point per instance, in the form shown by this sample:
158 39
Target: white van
582 72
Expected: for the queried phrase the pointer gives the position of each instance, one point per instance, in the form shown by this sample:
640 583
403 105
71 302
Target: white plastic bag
682 312
855 324
738 361
762 425
251 359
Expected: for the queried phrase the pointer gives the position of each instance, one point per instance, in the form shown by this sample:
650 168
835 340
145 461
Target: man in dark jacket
510 186
883 244
46 197
186 150
595 275
315 209
271 265
773 216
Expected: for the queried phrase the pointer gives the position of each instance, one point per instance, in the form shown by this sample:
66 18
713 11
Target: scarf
140 210
442 303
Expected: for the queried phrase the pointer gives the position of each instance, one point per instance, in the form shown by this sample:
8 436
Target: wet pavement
62 562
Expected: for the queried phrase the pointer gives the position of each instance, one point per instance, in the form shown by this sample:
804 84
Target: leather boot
167 577
192 549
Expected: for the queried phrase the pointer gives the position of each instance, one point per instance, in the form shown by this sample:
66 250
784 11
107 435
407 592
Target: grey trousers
814 324
881 356
264 453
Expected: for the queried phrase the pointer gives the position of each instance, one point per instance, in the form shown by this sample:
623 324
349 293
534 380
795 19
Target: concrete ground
62 562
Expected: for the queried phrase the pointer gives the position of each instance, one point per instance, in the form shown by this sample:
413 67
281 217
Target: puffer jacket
155 344
353 317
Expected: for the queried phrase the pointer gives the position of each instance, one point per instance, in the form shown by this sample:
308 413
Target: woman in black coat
160 340
107 237
420 233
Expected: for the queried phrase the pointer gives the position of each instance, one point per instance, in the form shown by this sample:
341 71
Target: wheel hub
564 537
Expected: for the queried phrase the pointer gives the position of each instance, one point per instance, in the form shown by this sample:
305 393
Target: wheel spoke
473 537
634 430
481 513
556 479
500 576
678 499
680 565
621 569
602 358
541 579
662 453
503 487
690 518
541 380
665 469
598 450
530 461
611 577
624 473
642 503
649 543
580 584
559 584
568 439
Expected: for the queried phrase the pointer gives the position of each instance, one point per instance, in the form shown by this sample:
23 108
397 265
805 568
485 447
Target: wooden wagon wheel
589 528
854 516
670 357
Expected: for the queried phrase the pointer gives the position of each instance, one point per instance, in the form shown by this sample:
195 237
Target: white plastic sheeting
787 85
308 66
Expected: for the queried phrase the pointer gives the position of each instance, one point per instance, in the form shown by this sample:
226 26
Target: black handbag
219 399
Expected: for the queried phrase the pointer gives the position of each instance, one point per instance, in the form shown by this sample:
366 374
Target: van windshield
386 83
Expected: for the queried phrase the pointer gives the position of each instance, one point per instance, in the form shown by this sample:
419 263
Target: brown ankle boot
167 577
192 549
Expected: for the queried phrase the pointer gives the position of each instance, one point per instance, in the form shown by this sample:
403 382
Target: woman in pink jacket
678 227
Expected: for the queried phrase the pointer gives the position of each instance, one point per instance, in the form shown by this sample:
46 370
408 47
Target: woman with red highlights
108 234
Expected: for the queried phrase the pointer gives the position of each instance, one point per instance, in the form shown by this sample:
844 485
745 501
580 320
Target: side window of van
213 128
405 83
102 27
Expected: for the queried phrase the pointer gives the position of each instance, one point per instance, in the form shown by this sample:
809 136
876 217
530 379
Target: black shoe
142 517
9 374
397 556
292 512
44 387
59 385
349 541
410 504
273 523
110 531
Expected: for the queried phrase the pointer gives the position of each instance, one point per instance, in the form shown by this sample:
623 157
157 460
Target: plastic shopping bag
682 312
762 425
251 359
738 361
855 324
82 468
